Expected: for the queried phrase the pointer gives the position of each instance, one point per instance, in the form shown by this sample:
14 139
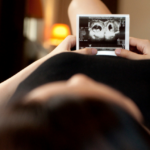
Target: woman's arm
85 7
8 87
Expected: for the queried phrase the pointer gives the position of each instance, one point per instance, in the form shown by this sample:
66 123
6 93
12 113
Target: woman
70 74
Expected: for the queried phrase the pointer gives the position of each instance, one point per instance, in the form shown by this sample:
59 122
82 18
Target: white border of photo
127 31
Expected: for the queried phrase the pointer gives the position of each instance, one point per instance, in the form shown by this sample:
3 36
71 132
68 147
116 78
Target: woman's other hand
69 43
140 49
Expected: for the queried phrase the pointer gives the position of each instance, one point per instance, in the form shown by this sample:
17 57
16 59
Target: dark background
11 37
12 14
112 5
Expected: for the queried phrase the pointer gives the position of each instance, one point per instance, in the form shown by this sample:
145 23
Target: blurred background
29 29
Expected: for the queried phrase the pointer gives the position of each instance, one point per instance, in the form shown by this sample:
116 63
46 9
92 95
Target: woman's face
83 86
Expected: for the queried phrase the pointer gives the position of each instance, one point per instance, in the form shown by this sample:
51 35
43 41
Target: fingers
130 55
68 43
87 51
71 40
142 45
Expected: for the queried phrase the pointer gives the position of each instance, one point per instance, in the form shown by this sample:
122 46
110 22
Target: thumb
87 51
128 54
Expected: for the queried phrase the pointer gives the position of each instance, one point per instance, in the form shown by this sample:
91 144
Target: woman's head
68 122
83 86
76 114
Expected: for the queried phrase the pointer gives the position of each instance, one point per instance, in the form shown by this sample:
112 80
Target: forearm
8 87
85 7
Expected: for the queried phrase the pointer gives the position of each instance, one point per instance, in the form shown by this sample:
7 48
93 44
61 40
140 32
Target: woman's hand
69 43
140 49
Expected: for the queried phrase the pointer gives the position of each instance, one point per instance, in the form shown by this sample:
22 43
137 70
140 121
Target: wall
139 11
55 11
49 8
61 11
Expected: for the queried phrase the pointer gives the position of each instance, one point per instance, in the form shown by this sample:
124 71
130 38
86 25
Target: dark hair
69 123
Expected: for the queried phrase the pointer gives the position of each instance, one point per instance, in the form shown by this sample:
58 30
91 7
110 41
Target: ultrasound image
102 32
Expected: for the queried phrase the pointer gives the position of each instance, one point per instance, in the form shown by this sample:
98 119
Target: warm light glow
58 33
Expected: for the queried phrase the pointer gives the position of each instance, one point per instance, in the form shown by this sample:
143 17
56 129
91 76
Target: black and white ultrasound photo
104 32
